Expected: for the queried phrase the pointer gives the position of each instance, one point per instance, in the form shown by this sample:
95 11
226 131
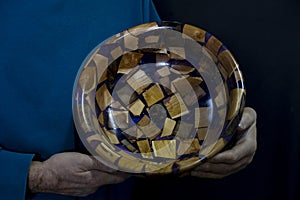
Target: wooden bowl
158 98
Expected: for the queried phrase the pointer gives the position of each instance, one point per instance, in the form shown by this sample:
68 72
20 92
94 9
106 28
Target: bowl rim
216 49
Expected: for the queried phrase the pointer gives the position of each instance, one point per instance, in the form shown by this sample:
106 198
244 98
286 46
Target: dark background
263 36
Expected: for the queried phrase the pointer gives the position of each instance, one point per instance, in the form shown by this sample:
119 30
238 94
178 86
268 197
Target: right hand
72 174
236 158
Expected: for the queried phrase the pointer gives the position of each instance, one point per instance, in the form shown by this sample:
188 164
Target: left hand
237 158
71 173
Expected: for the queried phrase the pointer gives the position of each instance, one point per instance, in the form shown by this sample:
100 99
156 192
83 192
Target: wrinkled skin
72 174
78 174
236 158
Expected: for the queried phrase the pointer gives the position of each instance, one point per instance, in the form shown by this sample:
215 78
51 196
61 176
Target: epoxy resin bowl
158 98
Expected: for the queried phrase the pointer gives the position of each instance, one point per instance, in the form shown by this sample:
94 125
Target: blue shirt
43 44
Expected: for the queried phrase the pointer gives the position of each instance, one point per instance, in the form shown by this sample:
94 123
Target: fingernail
242 126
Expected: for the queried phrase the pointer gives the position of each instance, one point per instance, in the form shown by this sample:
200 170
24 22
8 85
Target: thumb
248 118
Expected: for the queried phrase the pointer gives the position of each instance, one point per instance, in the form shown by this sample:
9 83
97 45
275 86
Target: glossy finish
158 98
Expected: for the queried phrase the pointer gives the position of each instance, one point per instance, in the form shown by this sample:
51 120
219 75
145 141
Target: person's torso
43 45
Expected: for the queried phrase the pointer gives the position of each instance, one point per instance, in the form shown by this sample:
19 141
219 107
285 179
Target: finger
99 178
245 146
223 169
233 155
112 179
248 118
206 175
237 153
201 174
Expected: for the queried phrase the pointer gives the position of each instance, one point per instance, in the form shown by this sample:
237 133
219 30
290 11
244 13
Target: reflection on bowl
158 98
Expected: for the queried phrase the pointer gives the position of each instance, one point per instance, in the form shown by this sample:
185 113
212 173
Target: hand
71 174
237 158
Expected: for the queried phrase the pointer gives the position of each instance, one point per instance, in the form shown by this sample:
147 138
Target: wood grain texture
175 106
164 148
194 32
121 92
169 126
136 107
153 95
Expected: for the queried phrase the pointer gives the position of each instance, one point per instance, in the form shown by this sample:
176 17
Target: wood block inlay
153 95
148 128
228 62
177 53
182 69
188 146
129 146
111 136
176 106
213 44
187 163
129 61
118 118
87 79
152 39
131 42
130 165
169 126
117 52
202 116
136 107
106 152
202 132
195 33
164 148
145 148
164 71
235 102
103 97
162 57
139 81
